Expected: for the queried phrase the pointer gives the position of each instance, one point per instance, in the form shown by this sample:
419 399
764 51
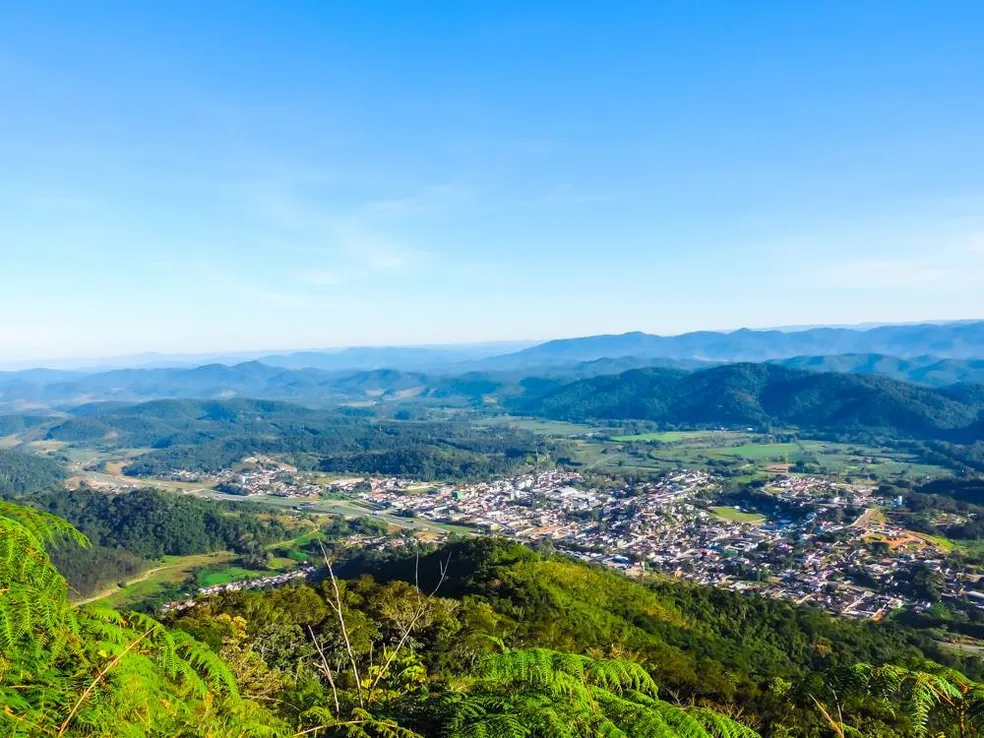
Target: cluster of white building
275 580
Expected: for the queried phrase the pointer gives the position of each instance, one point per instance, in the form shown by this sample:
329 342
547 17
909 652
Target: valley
491 370
698 484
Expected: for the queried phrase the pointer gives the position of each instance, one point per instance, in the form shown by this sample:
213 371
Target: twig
99 677
341 620
421 608
335 725
833 723
324 661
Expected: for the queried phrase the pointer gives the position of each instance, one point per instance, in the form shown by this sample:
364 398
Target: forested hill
768 395
701 641
20 473
512 644
931 371
208 435
455 385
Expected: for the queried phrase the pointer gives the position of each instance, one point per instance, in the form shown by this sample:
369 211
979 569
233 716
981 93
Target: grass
280 563
207 570
737 516
747 452
47 446
665 436
544 427
944 544
764 450
212 576
173 570
970 547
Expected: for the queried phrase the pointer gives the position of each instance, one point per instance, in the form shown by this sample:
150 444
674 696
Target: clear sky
210 176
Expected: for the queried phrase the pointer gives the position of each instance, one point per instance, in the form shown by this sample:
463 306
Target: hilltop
768 395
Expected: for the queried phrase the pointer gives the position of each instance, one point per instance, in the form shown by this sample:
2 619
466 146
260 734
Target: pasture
668 436
173 570
737 516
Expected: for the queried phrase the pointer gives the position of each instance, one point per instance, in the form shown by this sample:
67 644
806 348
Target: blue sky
185 177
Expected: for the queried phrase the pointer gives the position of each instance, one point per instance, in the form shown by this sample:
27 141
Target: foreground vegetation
95 672
482 638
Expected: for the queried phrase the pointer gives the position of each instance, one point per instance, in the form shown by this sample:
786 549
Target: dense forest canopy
703 640
764 395
151 524
210 435
130 532
21 473
762 660
94 672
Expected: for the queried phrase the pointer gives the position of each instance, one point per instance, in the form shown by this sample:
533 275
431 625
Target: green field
544 427
746 453
737 516
173 570
764 450
207 570
969 547
226 574
666 436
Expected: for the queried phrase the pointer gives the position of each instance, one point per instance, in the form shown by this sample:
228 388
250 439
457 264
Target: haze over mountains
935 355
352 357
960 340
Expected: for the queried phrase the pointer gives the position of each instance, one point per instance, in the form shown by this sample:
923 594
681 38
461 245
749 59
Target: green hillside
928 370
208 435
703 641
763 395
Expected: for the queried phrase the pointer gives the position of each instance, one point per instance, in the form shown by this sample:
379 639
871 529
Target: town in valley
822 542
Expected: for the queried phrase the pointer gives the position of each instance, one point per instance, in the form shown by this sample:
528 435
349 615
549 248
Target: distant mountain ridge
347 358
931 371
932 354
761 395
253 379
953 339
963 340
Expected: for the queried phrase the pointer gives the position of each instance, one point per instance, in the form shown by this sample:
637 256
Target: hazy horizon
154 359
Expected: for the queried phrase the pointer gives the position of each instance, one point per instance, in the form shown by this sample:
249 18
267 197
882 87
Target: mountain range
934 355
37 389
757 395
957 339
961 340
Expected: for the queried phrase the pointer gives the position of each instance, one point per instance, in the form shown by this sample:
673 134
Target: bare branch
324 662
341 620
835 726
419 613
